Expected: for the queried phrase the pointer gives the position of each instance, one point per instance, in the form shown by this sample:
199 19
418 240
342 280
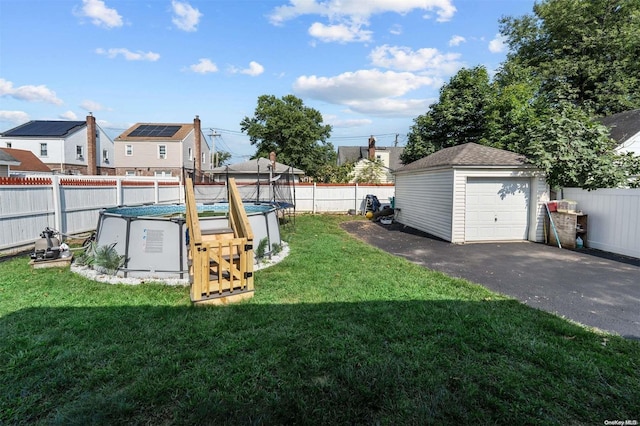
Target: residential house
6 162
163 149
70 147
28 163
361 156
625 130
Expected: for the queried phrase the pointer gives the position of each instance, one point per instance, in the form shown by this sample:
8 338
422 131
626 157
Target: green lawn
337 333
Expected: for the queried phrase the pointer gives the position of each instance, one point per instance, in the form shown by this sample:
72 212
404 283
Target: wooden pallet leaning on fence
221 261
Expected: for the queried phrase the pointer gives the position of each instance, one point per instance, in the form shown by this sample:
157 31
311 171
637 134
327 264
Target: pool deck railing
220 262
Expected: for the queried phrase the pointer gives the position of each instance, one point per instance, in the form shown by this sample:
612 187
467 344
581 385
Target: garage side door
497 209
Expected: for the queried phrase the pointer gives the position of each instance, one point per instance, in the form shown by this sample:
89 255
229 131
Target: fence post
118 191
156 191
355 198
57 205
313 198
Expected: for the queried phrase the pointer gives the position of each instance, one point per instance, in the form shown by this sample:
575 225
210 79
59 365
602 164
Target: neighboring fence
71 204
614 218
309 197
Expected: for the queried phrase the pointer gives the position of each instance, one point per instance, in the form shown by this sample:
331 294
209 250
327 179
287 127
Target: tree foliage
332 173
296 133
459 116
570 62
370 172
574 150
584 51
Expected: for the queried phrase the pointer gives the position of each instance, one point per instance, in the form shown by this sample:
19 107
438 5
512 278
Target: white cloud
339 33
88 105
427 60
498 44
186 17
254 69
16 117
205 66
129 55
68 115
396 29
392 107
342 123
362 85
456 40
29 93
358 9
100 14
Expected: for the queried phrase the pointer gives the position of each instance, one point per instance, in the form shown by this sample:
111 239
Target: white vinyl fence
614 218
72 204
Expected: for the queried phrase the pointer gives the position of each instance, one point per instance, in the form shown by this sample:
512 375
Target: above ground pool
152 238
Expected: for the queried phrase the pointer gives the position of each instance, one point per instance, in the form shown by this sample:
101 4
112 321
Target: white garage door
497 209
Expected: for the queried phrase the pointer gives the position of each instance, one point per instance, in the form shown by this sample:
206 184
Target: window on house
79 155
8 144
43 150
128 150
190 154
162 152
162 173
204 158
105 155
130 173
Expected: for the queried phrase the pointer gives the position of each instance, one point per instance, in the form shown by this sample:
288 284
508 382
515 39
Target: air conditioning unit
163 156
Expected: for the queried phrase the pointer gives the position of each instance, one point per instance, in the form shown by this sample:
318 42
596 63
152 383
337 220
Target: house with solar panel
68 147
163 149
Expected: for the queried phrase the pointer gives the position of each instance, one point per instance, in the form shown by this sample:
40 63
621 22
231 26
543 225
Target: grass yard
337 333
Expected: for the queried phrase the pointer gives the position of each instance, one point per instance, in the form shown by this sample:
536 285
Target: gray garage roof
469 154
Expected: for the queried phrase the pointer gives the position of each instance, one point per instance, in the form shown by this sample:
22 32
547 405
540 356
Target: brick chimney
372 148
92 168
198 148
272 158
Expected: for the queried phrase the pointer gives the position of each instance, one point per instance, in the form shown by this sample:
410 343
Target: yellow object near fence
220 261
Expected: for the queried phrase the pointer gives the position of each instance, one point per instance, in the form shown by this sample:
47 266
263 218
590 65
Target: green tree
584 51
458 117
332 173
576 151
371 172
296 133
221 158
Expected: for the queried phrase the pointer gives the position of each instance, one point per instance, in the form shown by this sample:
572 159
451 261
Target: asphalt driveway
590 287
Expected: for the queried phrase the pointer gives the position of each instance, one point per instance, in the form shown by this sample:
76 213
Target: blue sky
369 66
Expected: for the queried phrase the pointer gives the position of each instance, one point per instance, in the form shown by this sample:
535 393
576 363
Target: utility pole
396 142
213 135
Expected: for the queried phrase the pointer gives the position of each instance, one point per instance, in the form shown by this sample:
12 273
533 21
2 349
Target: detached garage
472 193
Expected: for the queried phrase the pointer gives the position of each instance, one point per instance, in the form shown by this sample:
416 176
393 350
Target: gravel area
113 279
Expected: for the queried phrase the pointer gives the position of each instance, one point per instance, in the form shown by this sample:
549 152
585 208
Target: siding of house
425 200
630 145
145 156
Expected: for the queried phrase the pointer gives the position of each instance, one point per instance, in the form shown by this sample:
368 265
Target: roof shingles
469 154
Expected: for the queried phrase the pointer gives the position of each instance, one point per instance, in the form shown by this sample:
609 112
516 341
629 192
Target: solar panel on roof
154 130
45 128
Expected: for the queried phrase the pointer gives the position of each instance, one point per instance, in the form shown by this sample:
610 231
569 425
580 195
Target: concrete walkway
590 287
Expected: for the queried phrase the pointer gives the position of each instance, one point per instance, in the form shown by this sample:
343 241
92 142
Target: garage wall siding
425 200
